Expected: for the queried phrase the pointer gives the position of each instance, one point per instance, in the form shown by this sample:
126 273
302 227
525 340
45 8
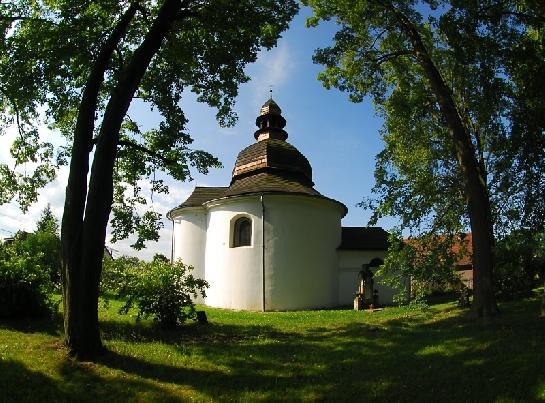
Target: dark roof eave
279 192
180 208
381 248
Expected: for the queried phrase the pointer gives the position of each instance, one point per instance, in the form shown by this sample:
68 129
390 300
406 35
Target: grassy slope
392 355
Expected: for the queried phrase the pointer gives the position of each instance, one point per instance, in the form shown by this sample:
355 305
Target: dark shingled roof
201 195
364 238
276 154
269 181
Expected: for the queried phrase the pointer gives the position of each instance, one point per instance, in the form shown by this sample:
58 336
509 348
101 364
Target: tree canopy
48 53
451 80
77 66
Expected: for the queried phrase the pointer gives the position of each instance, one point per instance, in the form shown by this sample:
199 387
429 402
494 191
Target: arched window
242 232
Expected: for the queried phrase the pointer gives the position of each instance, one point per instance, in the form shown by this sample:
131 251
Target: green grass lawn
396 354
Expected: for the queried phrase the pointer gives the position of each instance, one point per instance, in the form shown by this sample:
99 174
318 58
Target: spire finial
270 91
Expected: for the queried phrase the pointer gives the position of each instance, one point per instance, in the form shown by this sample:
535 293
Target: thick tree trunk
84 336
81 337
543 297
475 188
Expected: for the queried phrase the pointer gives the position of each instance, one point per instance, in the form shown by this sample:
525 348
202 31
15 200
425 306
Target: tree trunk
475 188
83 334
543 298
82 340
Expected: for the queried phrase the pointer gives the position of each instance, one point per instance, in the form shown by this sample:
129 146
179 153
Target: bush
116 275
46 247
163 291
520 258
25 287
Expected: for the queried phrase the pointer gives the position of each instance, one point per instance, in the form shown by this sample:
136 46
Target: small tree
45 248
47 222
163 291
25 287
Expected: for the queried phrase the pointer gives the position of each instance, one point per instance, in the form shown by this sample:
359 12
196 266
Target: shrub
520 257
25 287
163 291
46 247
116 275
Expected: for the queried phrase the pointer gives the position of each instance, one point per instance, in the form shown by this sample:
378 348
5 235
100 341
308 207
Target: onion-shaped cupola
271 159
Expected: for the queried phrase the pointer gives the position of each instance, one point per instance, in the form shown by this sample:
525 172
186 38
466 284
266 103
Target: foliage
116 274
429 263
50 51
25 286
490 55
163 291
77 66
47 222
45 247
432 69
160 257
520 261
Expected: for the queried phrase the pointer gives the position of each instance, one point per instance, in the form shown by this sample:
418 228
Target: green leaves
158 289
27 276
46 58
446 78
481 51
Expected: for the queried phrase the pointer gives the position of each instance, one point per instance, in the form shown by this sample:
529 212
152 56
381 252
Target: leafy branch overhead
77 66
50 57
452 80
491 56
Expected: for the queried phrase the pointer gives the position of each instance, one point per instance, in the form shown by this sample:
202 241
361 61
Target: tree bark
78 339
84 334
475 188
543 298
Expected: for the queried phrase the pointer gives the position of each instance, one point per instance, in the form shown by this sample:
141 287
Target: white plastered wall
234 274
190 239
302 235
350 262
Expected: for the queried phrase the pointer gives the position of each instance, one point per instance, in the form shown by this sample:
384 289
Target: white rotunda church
269 241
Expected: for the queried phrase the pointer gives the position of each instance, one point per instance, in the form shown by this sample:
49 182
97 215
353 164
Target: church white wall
350 262
302 235
234 274
190 239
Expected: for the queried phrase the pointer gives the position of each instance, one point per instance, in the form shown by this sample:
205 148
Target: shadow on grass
51 324
404 359
37 387
413 358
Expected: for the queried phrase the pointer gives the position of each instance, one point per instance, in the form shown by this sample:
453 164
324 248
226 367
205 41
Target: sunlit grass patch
396 354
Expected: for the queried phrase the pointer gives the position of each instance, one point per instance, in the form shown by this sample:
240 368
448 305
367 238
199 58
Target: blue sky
339 138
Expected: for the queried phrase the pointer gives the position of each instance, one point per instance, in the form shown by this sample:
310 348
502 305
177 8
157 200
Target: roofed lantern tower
271 163
271 123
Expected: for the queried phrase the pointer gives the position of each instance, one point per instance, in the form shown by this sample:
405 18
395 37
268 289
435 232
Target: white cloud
273 68
13 220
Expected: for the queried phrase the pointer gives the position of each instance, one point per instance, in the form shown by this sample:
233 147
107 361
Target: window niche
242 232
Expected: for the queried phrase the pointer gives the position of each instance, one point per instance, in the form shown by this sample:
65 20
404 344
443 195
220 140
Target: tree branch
139 147
377 38
13 18
17 113
393 55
